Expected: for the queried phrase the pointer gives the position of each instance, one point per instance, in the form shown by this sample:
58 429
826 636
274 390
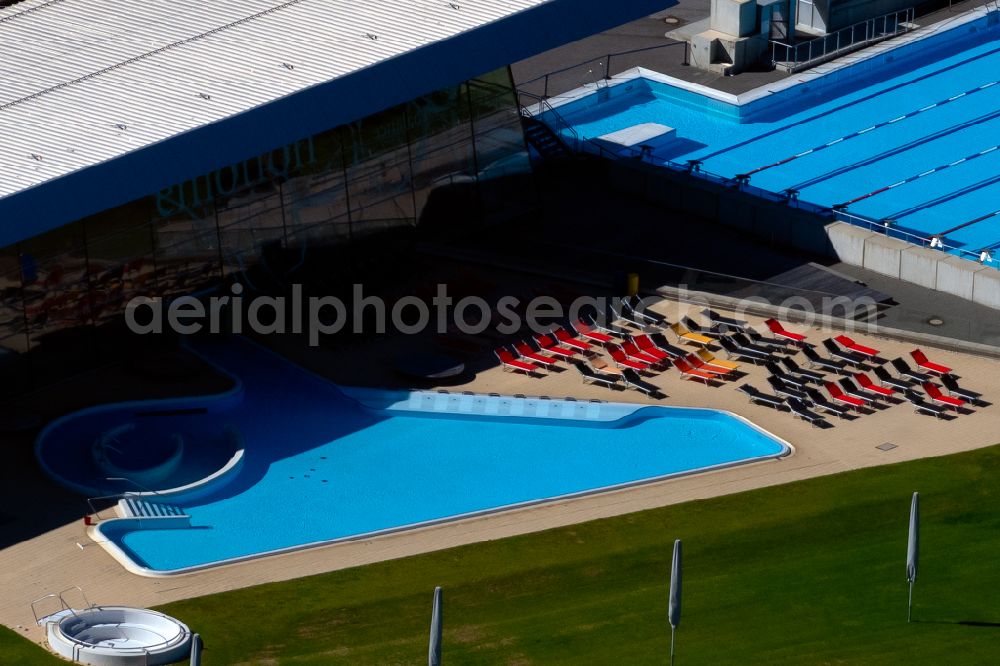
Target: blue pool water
320 466
908 140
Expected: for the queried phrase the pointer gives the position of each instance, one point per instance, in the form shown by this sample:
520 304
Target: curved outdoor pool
324 463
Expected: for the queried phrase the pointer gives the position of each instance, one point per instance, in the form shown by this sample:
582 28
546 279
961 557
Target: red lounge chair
511 363
934 393
838 395
644 345
701 366
565 337
623 361
868 385
775 327
848 343
587 331
634 352
687 372
529 354
922 361
551 346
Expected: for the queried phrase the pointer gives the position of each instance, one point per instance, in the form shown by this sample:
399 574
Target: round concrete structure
119 636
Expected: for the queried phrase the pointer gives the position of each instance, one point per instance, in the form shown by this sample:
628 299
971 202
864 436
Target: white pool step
134 507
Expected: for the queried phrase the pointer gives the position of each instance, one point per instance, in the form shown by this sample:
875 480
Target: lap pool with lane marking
914 139
323 463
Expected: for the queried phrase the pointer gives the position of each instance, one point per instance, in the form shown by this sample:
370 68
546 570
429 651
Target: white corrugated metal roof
85 81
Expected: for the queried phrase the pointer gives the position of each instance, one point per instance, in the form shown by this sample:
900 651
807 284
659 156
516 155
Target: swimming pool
912 136
323 463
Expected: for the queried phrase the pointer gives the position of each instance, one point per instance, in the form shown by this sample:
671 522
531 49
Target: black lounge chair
591 376
951 384
886 379
817 361
785 390
800 410
795 369
633 380
637 309
851 389
761 398
698 328
787 377
923 407
735 350
591 321
724 323
905 370
776 371
849 357
743 341
621 314
661 342
820 402
774 344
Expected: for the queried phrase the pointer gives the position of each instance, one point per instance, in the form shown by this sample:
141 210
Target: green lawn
805 573
17 650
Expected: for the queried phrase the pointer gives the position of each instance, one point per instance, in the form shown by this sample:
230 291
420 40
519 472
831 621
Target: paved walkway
62 555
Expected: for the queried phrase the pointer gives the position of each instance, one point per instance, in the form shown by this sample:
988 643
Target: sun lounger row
627 377
636 313
543 350
798 407
794 386
689 330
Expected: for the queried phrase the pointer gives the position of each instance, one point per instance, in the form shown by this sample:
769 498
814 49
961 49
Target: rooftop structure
106 102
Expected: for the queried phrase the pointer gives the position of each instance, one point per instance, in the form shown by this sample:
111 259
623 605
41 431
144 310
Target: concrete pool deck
53 561
643 43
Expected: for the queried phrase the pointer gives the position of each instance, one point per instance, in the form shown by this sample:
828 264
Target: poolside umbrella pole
434 650
196 650
912 550
674 608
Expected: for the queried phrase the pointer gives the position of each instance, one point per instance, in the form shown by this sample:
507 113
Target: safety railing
143 490
889 228
552 117
795 57
593 70
62 602
695 169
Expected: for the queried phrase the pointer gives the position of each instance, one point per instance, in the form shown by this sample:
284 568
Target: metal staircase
544 140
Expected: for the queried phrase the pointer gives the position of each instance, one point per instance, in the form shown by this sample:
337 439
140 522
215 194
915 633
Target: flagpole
909 603
674 607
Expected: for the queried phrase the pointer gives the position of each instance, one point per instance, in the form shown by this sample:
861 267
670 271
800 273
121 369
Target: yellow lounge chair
710 359
684 334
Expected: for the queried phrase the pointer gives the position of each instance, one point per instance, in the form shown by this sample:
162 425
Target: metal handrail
121 495
694 169
62 602
94 511
606 64
42 598
842 40
934 242
550 111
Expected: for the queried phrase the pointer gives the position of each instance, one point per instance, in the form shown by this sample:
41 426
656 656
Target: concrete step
134 507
